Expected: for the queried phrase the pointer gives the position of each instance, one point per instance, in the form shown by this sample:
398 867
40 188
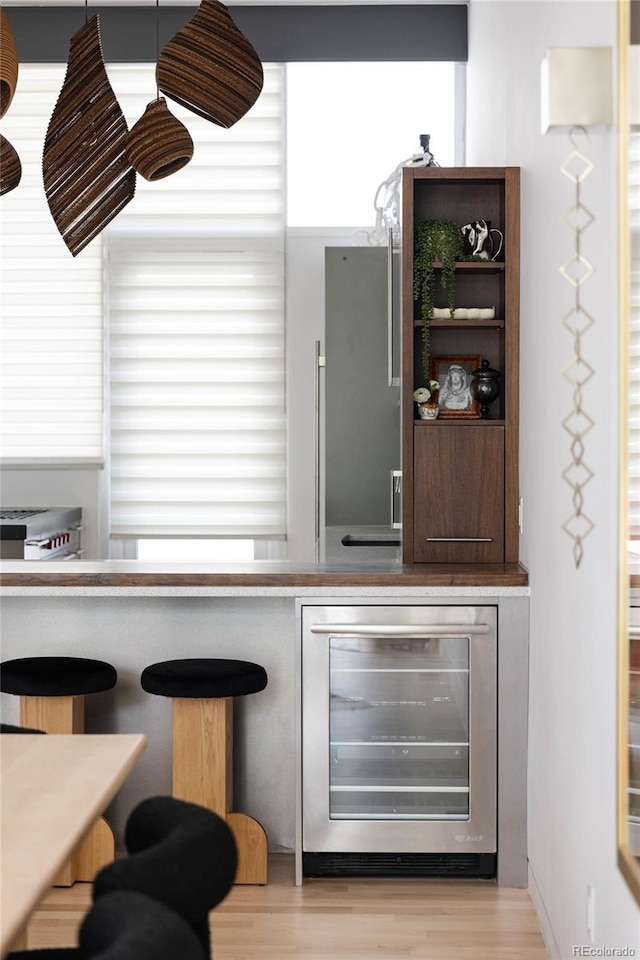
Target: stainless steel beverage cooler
398 740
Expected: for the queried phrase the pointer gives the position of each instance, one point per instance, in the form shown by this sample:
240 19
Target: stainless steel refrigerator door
399 729
361 403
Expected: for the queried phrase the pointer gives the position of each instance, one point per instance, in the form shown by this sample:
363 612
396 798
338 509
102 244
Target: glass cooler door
399 728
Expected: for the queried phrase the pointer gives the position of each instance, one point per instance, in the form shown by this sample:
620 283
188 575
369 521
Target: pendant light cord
157 46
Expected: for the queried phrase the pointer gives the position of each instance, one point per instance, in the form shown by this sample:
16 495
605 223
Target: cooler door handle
406 630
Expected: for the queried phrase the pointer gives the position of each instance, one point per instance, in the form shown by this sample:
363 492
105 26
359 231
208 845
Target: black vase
485 387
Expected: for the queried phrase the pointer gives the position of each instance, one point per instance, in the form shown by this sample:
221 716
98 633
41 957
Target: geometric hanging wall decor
577 371
576 93
8 64
158 144
210 67
87 177
10 167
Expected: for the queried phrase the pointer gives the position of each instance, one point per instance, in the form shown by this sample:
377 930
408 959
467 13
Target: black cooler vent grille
475 865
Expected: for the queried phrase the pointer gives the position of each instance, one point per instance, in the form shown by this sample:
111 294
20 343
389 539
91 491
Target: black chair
126 925
181 854
10 728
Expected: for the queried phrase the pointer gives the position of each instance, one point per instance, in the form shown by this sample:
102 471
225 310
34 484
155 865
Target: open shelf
490 266
459 422
497 323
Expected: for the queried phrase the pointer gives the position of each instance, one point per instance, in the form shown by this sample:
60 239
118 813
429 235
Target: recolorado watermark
582 951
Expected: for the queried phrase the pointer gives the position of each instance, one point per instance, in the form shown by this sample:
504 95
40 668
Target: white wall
572 769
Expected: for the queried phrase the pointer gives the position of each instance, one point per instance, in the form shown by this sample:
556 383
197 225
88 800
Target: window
51 337
193 551
195 287
350 124
222 218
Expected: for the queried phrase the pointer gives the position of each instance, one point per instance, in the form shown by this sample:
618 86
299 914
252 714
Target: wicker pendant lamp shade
10 167
158 144
210 67
8 64
87 177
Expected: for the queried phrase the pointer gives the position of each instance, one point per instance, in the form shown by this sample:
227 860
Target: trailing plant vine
441 242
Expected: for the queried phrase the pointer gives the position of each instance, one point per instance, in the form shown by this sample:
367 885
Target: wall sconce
577 87
577 92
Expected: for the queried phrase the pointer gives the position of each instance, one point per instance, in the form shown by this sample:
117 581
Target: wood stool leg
53 714
96 850
66 715
251 841
203 752
203 774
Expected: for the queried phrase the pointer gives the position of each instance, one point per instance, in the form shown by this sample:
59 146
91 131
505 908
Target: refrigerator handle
392 379
318 362
396 490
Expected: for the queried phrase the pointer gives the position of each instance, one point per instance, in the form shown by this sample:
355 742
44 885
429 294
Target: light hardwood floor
335 919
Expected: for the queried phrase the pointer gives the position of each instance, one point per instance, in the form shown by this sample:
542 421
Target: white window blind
195 275
634 403
51 330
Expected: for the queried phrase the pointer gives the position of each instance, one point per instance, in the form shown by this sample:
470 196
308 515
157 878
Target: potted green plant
442 242
436 242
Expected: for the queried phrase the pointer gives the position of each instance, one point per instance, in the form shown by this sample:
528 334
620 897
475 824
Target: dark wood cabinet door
458 493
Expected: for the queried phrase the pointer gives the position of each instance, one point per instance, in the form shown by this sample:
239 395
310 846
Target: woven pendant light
8 64
158 144
87 178
10 167
210 67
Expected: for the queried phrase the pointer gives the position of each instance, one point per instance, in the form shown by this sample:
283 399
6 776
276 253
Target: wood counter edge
416 575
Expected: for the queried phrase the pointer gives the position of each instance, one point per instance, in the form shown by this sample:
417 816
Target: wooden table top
52 788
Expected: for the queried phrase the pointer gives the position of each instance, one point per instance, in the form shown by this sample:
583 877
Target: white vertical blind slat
51 333
196 333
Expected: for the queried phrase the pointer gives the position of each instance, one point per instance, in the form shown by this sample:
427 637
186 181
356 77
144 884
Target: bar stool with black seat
52 693
202 691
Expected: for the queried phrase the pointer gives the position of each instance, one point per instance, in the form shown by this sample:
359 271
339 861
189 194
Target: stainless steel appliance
398 739
361 465
40 533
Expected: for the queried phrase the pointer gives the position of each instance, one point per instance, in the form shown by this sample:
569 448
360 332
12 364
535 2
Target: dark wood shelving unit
460 485
460 324
436 424
475 266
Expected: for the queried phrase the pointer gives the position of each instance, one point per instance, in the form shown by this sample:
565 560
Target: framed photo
453 373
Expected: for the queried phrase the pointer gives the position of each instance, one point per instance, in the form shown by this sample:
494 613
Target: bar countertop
257 578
